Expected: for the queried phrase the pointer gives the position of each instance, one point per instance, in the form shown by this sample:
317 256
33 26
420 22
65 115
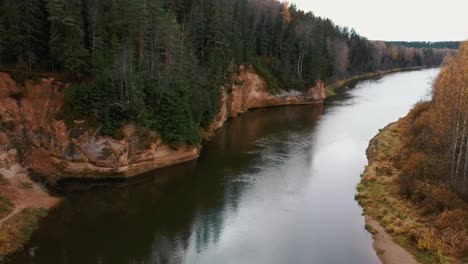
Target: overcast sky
431 20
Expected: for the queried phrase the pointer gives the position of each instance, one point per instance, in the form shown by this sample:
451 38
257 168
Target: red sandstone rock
55 151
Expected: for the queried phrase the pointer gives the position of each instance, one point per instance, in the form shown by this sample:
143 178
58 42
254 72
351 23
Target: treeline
427 44
160 63
438 136
394 56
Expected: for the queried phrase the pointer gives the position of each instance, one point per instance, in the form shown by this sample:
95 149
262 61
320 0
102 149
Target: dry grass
432 223
18 229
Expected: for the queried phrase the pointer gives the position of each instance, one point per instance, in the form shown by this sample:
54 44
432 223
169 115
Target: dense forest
160 63
427 44
437 146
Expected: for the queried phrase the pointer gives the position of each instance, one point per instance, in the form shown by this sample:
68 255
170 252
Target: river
274 186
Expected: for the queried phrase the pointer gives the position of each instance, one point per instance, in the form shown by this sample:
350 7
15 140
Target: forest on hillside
160 63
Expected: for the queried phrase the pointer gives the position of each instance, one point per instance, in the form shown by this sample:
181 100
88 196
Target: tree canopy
427 44
160 63
438 136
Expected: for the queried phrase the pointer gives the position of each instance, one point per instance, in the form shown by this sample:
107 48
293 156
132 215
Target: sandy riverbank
386 248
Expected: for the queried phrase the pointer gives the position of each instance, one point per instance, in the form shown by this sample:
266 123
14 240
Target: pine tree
67 36
151 60
25 32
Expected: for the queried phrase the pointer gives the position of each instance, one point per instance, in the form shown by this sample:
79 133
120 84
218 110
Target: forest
427 44
437 145
417 183
160 63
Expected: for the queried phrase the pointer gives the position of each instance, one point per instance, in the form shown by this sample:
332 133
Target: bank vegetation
416 184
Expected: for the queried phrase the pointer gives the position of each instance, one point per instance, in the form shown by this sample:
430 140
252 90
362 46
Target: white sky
430 20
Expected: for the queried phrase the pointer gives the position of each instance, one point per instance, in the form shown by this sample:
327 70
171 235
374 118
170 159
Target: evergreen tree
67 36
160 63
25 33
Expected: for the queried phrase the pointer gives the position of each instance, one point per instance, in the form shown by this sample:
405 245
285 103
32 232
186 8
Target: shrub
412 169
414 165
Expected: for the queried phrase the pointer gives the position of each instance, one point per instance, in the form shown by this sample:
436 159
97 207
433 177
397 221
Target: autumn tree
450 116
438 133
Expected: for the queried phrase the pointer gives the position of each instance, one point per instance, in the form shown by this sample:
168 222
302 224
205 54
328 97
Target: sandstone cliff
251 92
30 130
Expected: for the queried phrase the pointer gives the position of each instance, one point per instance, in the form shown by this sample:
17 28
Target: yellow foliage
428 240
439 129
287 17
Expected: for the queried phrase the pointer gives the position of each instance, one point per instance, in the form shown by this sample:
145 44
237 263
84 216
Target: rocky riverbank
35 142
56 151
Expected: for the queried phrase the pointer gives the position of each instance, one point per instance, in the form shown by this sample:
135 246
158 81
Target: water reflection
162 217
274 186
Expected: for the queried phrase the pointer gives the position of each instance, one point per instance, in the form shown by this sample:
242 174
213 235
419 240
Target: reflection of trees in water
156 219
242 154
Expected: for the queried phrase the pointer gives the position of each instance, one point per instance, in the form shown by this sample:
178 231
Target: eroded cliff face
32 137
30 131
251 92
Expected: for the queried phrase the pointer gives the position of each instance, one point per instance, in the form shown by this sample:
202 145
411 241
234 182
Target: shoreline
19 181
384 244
402 232
24 203
388 251
243 102
191 153
333 87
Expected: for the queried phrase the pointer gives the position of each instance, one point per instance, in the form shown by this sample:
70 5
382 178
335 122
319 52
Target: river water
274 186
